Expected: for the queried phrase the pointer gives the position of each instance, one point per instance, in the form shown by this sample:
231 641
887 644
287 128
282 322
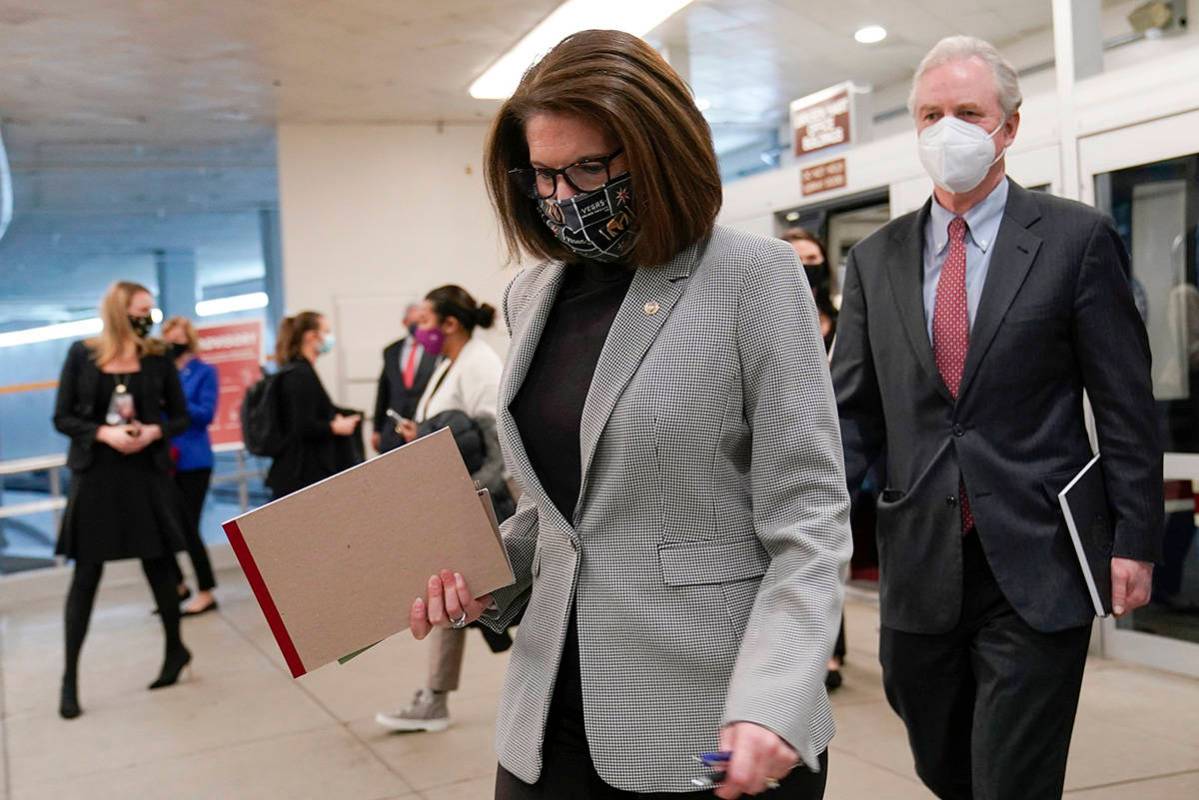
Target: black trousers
989 707
568 773
194 486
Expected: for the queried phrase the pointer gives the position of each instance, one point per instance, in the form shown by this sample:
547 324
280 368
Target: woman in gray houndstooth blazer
667 410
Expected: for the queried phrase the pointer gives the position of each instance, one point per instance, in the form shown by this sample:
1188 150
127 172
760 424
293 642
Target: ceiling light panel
637 17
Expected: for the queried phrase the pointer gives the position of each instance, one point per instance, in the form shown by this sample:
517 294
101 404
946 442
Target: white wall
374 216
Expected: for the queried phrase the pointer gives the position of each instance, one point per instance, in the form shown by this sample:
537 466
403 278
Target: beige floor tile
1104 752
320 764
861 632
200 714
871 732
385 677
1156 703
120 663
3 762
429 760
851 778
244 728
474 789
862 684
1177 787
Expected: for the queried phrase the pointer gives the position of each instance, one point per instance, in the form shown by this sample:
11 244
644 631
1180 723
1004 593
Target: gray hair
963 48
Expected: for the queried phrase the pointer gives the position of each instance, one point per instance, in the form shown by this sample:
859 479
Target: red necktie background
410 368
951 329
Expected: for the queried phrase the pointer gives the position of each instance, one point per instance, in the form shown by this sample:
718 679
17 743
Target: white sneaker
428 711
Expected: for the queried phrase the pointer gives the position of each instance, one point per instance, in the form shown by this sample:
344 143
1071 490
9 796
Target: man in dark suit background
406 371
968 333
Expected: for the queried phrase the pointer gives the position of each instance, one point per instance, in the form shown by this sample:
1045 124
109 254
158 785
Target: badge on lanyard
121 409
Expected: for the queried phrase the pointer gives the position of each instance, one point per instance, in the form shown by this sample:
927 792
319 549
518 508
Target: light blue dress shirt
982 227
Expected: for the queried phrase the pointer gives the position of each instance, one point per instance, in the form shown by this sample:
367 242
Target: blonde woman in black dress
120 401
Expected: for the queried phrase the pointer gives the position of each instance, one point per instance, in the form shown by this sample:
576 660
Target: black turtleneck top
549 406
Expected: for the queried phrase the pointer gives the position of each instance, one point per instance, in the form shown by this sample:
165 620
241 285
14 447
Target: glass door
1147 178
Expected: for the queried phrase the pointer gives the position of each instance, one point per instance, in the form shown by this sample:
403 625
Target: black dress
123 506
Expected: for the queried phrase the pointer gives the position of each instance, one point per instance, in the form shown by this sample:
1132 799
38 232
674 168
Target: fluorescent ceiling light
703 104
5 190
871 34
637 17
228 305
80 328
48 333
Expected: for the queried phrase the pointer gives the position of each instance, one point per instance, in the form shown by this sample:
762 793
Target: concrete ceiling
168 71
133 126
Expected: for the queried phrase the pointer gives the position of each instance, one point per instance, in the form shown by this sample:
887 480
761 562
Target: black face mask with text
595 225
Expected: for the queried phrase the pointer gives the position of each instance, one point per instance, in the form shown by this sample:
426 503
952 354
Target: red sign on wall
236 352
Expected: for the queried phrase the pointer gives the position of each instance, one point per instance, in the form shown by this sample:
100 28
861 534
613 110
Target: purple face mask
432 339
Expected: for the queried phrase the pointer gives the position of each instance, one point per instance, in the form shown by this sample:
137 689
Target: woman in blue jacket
193 451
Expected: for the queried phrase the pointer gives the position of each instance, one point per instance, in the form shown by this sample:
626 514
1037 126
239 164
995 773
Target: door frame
1136 145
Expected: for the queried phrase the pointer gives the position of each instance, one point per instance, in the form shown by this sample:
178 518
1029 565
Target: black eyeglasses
588 175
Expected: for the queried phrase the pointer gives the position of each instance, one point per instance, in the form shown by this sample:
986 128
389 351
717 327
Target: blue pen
721 757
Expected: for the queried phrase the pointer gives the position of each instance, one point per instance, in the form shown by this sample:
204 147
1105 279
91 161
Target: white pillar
1078 54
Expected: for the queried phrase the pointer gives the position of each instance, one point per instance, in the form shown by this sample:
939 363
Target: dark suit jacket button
951 501
958 430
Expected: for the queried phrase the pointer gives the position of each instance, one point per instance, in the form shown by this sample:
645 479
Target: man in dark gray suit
406 372
968 334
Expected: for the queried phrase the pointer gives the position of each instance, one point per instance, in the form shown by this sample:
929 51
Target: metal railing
55 503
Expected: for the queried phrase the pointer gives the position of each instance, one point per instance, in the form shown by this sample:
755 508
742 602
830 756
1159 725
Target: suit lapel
646 307
906 273
525 335
1015 250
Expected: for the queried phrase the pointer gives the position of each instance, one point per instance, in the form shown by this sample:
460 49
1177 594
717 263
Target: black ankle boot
172 665
68 702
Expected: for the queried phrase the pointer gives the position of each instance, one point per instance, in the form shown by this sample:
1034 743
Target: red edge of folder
258 586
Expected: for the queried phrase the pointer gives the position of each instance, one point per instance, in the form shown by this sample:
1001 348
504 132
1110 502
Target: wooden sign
832 117
823 177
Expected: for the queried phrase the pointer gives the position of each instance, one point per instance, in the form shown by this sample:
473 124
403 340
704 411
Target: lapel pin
652 308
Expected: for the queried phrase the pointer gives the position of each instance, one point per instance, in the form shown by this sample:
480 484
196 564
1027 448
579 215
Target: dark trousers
568 773
194 486
989 707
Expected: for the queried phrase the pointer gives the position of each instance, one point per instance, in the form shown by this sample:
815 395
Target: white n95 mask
956 154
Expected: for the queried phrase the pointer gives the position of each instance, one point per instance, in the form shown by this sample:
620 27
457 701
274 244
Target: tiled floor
241 728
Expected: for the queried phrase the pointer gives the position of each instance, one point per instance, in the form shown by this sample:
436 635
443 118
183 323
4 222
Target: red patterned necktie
410 368
951 329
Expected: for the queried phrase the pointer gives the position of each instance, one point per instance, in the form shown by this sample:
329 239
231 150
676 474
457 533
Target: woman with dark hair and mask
667 410
119 400
193 454
814 256
311 423
466 380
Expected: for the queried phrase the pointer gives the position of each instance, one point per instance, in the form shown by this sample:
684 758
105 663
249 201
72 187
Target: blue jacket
200 388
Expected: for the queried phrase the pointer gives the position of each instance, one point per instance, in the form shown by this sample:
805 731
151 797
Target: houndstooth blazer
705 552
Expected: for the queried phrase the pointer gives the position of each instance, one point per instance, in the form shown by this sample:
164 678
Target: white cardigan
469 384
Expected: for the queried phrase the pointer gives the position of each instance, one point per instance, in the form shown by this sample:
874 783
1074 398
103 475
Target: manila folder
335 566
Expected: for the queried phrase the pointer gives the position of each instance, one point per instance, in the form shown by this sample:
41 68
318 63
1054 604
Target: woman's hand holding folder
449 604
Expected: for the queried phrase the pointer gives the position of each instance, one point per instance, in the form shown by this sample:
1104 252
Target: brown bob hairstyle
625 86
